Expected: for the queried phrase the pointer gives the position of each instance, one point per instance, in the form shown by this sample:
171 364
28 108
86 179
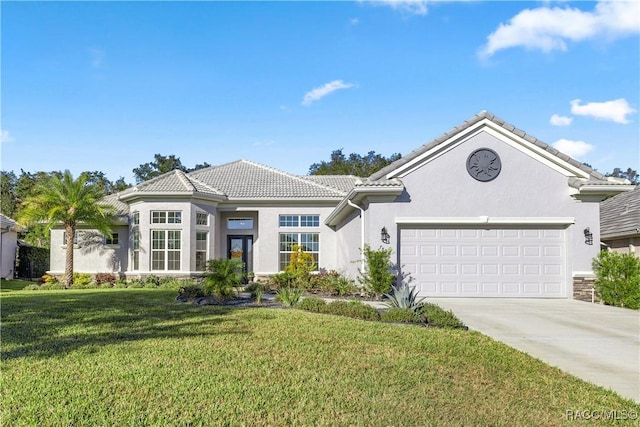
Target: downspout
353 205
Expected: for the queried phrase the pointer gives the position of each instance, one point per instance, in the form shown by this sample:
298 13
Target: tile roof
620 215
122 208
175 181
595 176
7 223
339 182
244 179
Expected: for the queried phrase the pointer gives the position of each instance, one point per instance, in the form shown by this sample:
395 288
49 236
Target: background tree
355 164
63 200
162 164
629 174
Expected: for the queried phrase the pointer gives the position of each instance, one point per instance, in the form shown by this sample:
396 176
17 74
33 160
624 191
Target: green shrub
120 284
223 276
258 293
289 296
48 278
301 263
354 309
400 315
83 285
333 283
618 279
173 284
80 280
194 290
436 316
135 283
105 280
282 280
378 275
32 287
151 281
315 304
405 296
51 286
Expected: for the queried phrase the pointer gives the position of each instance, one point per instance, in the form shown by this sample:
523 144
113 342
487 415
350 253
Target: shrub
258 293
618 279
51 286
194 290
135 283
120 284
289 296
405 296
436 316
301 263
282 280
222 276
32 287
378 275
314 304
48 278
354 309
80 280
174 284
400 315
105 280
151 281
83 285
333 283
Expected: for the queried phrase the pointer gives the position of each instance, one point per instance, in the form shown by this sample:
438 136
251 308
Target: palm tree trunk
68 266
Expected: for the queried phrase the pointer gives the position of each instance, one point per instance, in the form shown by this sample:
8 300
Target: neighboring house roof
620 215
8 224
595 178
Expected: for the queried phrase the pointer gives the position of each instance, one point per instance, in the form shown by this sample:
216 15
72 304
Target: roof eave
357 195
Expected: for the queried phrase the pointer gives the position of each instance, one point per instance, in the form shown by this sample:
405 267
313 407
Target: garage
493 262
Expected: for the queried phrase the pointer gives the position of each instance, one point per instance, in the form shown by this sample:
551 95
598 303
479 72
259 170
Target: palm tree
60 199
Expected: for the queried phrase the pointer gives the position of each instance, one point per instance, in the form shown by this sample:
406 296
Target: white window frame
199 216
298 241
241 223
166 250
299 221
166 217
200 250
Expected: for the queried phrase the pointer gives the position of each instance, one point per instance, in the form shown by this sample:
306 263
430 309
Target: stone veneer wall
582 286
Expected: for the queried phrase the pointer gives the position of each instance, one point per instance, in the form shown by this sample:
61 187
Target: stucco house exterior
620 222
8 246
484 210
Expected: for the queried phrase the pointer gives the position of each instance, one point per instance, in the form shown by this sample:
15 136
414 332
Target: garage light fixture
588 236
384 236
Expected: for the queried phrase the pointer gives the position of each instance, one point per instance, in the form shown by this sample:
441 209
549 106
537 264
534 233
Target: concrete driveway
598 343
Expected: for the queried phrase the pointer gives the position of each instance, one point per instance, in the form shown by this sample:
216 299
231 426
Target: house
484 210
620 222
8 246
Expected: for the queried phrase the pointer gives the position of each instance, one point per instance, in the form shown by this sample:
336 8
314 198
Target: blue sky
106 85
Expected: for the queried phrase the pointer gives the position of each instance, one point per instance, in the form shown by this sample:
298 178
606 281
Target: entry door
241 247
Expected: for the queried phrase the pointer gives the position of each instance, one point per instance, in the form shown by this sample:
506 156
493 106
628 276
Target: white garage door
485 263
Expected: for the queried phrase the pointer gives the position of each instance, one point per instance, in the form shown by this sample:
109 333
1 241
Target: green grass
14 285
137 357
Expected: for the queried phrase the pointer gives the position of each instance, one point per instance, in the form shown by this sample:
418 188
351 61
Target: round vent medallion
484 164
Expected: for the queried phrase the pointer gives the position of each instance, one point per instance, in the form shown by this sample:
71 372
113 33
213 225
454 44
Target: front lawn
14 285
138 357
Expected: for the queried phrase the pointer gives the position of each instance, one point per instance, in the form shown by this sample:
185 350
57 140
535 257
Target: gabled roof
9 224
342 183
594 177
244 179
620 215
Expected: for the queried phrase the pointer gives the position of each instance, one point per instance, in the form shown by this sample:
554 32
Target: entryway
241 247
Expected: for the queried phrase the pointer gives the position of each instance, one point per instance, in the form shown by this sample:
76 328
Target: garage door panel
479 262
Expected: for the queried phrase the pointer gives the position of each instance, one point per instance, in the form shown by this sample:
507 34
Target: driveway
598 343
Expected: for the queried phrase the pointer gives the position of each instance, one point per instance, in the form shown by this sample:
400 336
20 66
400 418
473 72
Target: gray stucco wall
8 247
525 188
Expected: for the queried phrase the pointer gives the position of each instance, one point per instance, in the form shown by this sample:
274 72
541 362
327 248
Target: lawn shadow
54 323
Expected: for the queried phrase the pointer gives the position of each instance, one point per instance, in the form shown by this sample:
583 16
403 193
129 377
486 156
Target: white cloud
615 111
324 90
573 148
97 57
548 29
5 136
354 21
557 120
413 7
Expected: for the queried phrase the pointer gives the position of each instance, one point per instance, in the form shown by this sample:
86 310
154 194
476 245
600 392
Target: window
75 238
136 218
202 218
165 250
166 217
136 250
201 250
113 240
299 220
240 224
309 242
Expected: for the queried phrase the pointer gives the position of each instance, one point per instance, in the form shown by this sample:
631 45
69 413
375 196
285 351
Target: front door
241 247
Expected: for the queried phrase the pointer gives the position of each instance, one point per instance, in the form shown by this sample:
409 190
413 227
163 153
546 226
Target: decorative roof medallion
484 164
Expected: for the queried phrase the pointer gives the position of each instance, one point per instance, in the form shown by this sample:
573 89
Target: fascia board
356 195
485 220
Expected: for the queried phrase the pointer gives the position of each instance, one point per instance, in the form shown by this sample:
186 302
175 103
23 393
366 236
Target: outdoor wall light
384 236
588 236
